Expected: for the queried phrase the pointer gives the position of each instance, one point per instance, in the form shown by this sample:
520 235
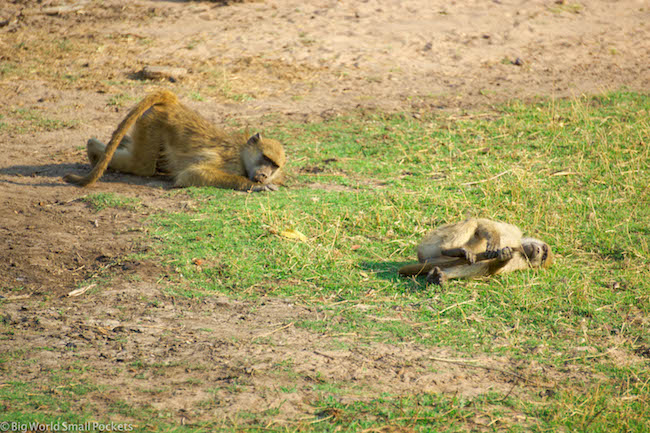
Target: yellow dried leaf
293 234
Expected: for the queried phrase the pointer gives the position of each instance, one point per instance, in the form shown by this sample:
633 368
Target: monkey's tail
155 98
415 269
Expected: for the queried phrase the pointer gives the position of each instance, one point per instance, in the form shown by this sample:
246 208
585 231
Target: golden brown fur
476 247
168 136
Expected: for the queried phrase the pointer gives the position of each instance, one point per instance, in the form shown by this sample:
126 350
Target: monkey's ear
255 138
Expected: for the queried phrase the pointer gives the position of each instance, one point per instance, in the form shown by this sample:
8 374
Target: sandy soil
70 69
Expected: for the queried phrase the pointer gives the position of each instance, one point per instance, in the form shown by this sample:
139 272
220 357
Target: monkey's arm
207 175
467 256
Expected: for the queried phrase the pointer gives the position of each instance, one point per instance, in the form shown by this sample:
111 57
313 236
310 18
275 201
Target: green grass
120 100
24 120
362 192
103 200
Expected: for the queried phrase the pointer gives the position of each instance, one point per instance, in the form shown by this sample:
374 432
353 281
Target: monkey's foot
93 158
436 276
95 150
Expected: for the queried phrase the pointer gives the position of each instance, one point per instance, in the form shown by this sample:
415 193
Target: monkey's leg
466 271
135 155
127 161
96 148
140 153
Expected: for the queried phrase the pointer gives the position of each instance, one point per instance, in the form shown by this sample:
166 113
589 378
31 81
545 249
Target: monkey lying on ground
476 247
167 136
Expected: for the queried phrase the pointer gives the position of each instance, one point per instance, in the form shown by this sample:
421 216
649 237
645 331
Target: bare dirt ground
69 70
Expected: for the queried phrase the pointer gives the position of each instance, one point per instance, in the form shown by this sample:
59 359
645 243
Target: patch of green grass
23 120
120 100
8 68
102 200
196 96
364 191
192 44
424 412
559 7
222 85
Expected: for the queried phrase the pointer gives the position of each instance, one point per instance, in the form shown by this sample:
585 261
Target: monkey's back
184 137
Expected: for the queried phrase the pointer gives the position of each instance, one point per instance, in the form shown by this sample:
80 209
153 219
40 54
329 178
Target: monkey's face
537 252
264 170
263 158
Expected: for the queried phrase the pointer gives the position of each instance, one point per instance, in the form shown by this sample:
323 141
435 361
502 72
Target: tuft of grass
196 96
120 100
103 200
23 120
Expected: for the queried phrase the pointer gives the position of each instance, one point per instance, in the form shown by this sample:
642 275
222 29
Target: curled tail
155 98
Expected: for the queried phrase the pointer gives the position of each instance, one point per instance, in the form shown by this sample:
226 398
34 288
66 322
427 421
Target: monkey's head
537 252
263 158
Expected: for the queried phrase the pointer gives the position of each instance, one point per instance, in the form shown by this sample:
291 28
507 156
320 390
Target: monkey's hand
470 256
460 252
264 187
436 276
491 249
505 254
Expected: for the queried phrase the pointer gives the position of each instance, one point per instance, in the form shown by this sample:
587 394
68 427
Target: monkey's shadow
59 170
388 271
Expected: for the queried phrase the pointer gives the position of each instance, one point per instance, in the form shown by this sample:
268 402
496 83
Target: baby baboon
476 247
168 136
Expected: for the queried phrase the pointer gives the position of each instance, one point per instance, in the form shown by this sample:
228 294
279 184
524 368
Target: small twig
324 355
55 10
14 298
509 392
485 367
455 305
599 355
485 180
594 417
564 173
275 330
81 291
322 419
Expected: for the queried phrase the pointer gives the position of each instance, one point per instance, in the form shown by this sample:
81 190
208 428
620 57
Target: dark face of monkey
265 170
537 252
262 158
